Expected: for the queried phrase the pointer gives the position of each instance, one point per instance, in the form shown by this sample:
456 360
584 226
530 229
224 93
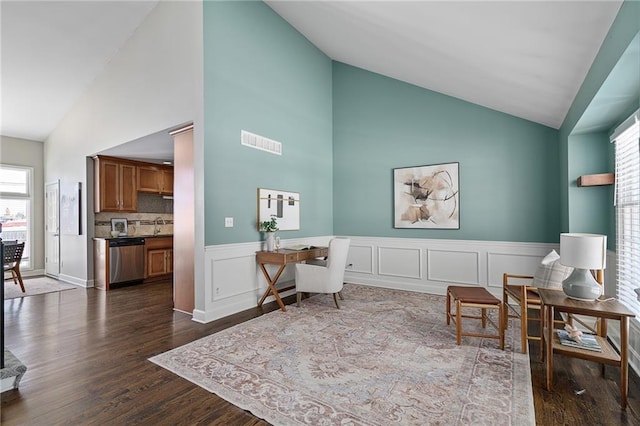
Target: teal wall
262 76
509 169
591 207
344 130
573 216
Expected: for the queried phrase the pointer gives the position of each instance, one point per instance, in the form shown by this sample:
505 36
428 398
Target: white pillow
551 272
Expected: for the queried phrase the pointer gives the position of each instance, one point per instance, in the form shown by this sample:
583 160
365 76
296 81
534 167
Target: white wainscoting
234 281
430 266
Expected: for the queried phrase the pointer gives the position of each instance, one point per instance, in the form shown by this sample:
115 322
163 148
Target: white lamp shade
583 251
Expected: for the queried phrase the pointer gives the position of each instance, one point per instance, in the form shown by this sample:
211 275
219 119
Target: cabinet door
156 262
169 260
129 193
166 177
109 183
148 179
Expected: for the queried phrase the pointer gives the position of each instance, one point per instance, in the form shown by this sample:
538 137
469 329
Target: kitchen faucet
156 227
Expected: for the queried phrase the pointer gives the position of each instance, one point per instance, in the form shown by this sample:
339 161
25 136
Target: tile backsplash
150 207
154 203
146 224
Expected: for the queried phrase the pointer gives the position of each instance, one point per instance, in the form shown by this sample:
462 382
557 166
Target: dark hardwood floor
87 350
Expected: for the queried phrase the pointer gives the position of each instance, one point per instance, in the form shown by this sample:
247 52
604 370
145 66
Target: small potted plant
270 227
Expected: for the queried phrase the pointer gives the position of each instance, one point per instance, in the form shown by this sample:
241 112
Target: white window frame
626 138
28 196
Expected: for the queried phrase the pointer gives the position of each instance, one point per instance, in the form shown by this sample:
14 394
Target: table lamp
583 252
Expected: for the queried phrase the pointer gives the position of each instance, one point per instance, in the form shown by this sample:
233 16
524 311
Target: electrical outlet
228 222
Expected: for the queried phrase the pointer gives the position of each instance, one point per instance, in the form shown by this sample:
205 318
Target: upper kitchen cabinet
115 185
155 179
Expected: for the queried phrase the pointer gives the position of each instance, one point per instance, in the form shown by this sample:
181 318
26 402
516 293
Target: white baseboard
75 280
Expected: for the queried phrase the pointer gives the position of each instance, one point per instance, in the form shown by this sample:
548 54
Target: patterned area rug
33 286
387 357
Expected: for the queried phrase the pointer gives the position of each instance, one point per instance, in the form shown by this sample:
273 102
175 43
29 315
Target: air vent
260 142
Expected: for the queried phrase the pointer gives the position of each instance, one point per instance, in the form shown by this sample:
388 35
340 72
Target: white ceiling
524 58
51 53
527 59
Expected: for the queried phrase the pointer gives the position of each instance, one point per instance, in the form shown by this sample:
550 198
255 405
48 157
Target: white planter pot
271 241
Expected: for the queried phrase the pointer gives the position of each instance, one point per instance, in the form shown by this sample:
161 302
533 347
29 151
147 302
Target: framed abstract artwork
427 197
283 205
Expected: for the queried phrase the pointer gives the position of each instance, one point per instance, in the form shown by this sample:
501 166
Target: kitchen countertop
134 236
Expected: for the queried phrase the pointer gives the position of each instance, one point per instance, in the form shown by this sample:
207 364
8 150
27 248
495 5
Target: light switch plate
228 222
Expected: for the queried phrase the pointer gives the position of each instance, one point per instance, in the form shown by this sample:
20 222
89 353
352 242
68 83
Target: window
627 144
16 199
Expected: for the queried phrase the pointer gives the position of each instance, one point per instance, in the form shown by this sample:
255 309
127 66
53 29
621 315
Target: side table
556 301
282 258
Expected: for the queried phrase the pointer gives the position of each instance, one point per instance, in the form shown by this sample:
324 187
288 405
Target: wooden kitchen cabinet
115 185
159 257
155 179
166 177
147 179
159 262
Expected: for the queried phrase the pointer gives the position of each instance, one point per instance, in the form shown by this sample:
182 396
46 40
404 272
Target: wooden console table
556 301
283 257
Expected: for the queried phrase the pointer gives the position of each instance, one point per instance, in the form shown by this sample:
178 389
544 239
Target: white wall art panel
454 267
400 262
360 258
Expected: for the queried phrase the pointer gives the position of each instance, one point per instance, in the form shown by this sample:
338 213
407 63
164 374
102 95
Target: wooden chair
525 297
12 256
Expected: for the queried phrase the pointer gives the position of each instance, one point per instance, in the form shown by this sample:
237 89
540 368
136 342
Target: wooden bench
474 297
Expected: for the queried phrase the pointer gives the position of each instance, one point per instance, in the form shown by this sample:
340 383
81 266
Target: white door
52 229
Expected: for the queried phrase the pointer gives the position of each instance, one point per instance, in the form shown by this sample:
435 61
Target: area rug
386 357
33 286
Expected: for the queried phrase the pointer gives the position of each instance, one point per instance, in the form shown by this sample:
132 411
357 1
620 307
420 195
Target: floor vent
260 142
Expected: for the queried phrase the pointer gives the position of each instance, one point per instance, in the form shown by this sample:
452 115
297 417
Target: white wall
28 153
153 83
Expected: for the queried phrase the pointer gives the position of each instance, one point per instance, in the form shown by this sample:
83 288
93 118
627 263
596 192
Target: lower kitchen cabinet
159 256
159 262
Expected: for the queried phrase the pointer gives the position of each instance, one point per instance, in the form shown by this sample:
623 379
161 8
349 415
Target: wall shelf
597 179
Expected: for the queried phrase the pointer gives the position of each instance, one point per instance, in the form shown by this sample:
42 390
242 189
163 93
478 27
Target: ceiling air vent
260 142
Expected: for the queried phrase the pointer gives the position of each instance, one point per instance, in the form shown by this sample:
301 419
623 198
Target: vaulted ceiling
527 59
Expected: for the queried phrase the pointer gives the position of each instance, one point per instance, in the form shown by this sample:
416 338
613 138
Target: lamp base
581 285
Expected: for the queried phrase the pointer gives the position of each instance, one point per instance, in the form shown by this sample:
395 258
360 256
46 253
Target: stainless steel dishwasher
126 260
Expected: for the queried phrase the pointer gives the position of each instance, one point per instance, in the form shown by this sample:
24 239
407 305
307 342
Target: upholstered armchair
327 279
